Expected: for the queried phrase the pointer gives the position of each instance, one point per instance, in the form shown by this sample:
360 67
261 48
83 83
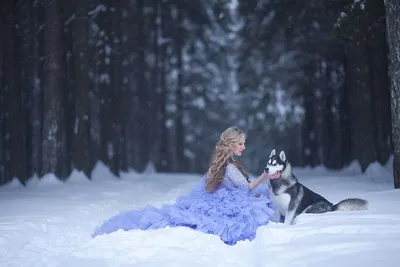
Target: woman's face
239 147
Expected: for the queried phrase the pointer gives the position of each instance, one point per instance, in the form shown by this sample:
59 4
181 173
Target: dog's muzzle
275 175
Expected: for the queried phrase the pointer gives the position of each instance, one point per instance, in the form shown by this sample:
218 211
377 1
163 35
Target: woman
224 203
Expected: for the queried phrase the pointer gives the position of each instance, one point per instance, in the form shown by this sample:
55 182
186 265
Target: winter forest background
138 83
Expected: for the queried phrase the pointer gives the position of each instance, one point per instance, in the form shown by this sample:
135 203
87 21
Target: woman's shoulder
231 167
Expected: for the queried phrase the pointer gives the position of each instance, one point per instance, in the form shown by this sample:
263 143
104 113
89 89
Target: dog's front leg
289 217
278 215
277 212
290 213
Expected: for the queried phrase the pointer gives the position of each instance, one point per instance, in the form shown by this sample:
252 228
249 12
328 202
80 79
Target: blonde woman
224 203
224 169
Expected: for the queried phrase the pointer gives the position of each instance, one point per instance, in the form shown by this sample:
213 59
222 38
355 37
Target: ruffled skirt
232 214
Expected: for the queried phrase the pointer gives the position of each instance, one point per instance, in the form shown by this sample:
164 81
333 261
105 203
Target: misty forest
141 84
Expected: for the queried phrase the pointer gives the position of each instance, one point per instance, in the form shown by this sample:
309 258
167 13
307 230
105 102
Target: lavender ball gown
232 212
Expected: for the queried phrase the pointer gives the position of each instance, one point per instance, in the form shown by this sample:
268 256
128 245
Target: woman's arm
255 183
237 178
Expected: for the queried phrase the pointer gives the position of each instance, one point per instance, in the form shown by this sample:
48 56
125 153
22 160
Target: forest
151 84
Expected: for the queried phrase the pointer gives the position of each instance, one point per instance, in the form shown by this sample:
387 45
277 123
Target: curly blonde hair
223 155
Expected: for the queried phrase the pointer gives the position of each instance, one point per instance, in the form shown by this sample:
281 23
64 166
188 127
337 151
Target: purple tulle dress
233 212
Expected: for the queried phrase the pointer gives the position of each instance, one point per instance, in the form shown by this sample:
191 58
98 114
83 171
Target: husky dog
292 198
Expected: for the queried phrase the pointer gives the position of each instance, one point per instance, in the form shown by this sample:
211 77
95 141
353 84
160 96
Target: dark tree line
129 83
336 68
89 81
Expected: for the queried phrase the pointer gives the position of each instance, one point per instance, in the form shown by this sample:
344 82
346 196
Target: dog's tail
351 204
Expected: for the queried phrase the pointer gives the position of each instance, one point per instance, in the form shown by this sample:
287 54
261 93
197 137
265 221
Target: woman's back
233 178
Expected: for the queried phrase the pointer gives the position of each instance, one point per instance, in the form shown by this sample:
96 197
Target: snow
358 2
99 8
49 223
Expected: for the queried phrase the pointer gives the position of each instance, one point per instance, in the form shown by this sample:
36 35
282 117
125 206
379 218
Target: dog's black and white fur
292 198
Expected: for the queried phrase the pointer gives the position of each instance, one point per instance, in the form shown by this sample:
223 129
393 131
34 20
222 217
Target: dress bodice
233 178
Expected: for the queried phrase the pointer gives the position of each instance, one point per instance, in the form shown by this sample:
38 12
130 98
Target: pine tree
393 35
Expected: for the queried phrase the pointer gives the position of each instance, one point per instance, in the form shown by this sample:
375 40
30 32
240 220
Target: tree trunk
179 129
393 37
116 92
331 136
26 78
52 93
105 71
164 152
82 156
3 158
319 105
35 114
346 152
67 86
155 86
142 90
125 97
308 129
379 80
360 99
132 143
15 134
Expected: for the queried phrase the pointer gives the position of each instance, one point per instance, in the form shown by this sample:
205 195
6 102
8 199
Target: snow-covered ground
49 223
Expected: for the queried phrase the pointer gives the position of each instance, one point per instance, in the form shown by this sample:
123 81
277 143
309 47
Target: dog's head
276 164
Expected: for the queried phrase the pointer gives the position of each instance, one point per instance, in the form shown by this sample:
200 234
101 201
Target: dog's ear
282 156
273 153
